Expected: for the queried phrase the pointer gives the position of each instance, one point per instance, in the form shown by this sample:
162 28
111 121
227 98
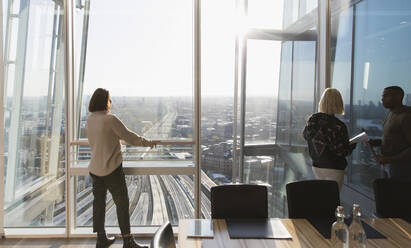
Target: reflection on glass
258 169
34 115
379 61
341 51
304 65
284 94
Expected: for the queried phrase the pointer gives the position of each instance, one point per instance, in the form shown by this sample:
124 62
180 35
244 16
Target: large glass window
290 51
217 93
263 60
146 68
382 34
34 114
141 51
263 68
154 199
284 96
304 65
341 58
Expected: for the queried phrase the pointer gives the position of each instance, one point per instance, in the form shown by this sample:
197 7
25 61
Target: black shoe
130 243
104 242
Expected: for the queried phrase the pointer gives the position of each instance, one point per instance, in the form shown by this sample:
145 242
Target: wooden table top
397 231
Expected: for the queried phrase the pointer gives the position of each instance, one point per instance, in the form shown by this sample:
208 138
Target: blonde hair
331 102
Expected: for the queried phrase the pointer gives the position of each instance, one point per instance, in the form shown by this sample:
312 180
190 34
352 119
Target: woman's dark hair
99 100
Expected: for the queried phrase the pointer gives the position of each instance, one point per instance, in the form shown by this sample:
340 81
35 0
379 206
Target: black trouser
116 184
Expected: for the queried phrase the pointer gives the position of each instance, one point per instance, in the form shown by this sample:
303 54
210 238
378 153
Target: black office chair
312 199
392 198
164 237
239 201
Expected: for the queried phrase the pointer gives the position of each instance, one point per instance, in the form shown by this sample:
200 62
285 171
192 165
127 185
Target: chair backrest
392 198
239 201
312 199
164 237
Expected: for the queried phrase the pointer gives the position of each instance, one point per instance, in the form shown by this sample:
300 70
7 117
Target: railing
84 142
169 157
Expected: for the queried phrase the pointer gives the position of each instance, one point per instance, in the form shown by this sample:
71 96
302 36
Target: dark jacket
327 139
396 136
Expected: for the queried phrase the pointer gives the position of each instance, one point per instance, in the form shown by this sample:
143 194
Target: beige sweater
104 132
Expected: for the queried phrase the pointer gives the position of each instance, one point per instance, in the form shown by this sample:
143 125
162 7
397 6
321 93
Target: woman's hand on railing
152 143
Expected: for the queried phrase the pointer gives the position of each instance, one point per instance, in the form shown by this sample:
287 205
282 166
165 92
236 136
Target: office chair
164 237
392 198
312 199
239 201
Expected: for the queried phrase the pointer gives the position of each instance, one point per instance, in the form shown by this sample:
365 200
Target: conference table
397 232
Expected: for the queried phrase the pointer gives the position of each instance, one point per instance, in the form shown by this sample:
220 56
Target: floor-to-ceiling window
281 63
382 34
142 53
218 32
34 131
369 40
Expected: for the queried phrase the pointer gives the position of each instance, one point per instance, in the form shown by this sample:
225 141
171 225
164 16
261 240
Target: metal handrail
84 142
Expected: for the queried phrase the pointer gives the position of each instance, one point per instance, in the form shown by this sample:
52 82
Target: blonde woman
104 132
327 138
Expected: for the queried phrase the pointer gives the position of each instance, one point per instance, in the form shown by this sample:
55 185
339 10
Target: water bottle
339 230
356 231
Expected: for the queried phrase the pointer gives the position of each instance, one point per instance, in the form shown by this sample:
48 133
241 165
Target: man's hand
383 159
352 146
374 142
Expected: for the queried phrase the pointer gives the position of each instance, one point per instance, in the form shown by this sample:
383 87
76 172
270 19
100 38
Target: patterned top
328 141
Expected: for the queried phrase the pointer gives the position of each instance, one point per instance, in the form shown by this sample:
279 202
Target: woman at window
104 132
327 138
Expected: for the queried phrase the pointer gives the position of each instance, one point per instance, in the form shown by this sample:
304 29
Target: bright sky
145 47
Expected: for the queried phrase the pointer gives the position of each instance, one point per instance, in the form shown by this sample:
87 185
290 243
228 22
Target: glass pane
291 8
287 161
217 93
284 96
263 68
265 14
306 6
154 199
304 65
382 34
341 50
147 69
258 169
34 116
